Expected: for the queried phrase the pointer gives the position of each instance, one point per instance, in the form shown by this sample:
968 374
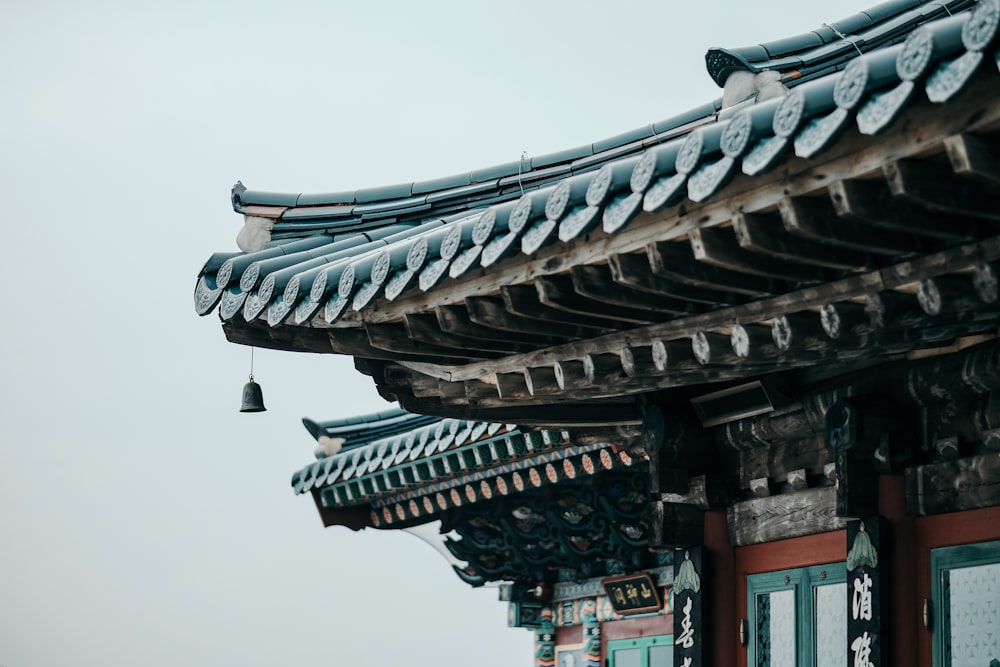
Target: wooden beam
798 332
853 435
424 328
972 156
604 369
512 386
751 341
570 374
844 319
456 320
675 262
816 218
906 273
795 422
560 293
597 283
706 492
638 361
773 462
710 347
872 203
523 301
394 338
892 310
941 191
765 235
634 272
718 248
677 525
489 312
549 416
947 296
952 486
783 516
541 380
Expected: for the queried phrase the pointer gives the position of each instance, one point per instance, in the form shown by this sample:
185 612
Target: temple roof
840 214
826 50
517 506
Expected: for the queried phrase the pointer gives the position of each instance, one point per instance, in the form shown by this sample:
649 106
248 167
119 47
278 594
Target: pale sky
143 519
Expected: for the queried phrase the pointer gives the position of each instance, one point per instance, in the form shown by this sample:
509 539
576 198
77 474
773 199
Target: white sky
143 520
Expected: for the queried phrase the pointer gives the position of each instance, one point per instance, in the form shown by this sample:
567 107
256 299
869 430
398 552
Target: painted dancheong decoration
737 345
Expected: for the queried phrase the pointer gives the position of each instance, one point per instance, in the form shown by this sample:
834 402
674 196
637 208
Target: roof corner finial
236 196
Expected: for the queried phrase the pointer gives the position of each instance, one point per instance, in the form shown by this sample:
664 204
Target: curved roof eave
435 235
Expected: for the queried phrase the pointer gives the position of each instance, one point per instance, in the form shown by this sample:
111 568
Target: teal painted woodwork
965 590
798 618
657 651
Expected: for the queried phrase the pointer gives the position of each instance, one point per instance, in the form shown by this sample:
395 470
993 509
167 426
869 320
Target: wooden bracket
859 440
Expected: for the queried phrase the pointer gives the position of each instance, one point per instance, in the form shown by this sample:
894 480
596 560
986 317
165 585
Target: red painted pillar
724 612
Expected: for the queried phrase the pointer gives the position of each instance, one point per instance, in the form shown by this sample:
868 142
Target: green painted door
965 585
655 651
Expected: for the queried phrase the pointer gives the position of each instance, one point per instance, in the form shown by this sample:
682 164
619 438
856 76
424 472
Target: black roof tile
399 191
641 165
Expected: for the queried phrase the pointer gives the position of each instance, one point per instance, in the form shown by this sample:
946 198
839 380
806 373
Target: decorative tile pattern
782 629
830 629
975 615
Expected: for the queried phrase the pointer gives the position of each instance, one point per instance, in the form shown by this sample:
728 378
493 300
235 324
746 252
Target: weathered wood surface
973 157
872 202
560 293
906 273
598 283
678 525
951 486
634 271
764 234
489 312
456 320
426 329
783 516
525 301
705 492
775 461
853 440
940 191
718 247
818 219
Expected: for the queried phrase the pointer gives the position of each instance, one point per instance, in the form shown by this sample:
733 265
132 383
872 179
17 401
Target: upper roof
825 50
572 278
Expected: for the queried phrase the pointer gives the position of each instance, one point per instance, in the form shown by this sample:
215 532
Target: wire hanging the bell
253 397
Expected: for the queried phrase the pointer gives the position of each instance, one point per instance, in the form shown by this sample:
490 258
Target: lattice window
655 651
798 618
966 604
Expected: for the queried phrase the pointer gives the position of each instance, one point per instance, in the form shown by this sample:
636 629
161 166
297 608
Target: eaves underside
430 362
846 223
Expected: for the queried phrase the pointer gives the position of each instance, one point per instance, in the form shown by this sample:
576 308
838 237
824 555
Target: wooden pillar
901 624
721 597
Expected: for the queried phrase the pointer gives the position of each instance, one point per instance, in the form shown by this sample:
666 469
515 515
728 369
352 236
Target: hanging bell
253 397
